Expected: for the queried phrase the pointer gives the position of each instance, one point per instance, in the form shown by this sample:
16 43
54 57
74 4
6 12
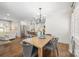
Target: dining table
39 43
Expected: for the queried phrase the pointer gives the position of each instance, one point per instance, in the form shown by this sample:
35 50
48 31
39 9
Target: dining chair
52 46
29 50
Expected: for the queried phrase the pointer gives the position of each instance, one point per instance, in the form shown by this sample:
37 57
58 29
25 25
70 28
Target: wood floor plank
62 49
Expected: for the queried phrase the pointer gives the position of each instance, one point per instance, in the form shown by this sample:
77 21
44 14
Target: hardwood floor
15 50
62 49
12 49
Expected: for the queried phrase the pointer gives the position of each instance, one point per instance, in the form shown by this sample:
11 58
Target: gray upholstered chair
52 45
28 50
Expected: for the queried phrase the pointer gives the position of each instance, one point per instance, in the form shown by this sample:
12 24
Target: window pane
7 27
1 30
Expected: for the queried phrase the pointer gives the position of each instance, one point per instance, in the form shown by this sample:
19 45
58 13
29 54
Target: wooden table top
39 43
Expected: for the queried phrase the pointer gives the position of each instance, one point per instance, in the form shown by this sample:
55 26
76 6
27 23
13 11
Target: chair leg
57 52
51 54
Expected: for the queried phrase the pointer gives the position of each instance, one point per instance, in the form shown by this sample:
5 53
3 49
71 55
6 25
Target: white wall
58 23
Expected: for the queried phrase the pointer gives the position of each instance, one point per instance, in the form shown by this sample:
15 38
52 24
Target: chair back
27 50
54 42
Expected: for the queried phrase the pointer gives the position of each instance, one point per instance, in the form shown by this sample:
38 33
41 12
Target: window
6 27
1 29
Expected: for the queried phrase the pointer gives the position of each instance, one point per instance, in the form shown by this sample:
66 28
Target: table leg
40 52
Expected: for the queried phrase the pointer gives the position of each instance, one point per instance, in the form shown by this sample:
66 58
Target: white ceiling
27 10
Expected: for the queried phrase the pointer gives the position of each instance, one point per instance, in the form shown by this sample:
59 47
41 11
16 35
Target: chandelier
40 19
